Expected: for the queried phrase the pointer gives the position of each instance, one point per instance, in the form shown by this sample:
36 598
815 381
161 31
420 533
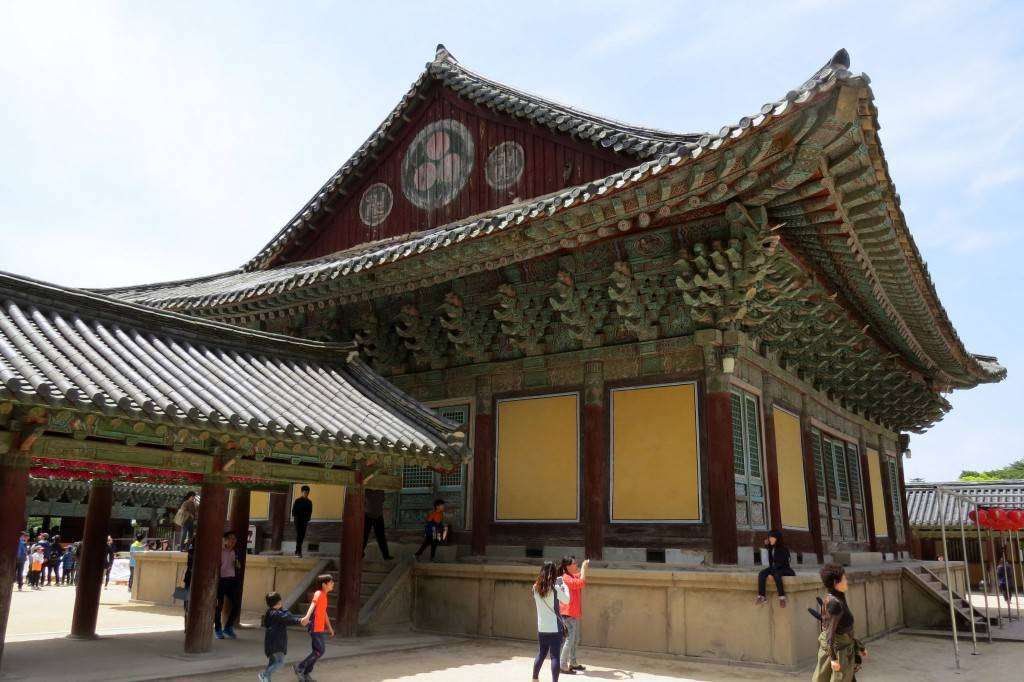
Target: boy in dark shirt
275 642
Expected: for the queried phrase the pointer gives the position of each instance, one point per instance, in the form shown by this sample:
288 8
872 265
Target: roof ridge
84 302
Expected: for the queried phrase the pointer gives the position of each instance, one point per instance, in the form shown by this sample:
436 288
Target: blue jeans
318 640
274 663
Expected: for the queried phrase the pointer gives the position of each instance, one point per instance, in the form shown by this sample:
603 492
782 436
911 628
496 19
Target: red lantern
997 519
1016 519
984 518
973 517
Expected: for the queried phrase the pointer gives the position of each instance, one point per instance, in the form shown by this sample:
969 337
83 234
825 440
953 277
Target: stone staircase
935 586
374 573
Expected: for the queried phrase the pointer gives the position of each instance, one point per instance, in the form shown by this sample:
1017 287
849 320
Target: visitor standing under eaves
20 557
374 519
302 512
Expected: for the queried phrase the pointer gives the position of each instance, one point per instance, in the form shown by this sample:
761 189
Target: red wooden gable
455 159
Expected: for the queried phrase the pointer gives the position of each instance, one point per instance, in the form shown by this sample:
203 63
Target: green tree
1012 471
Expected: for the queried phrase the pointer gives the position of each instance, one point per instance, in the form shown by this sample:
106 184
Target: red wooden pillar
722 480
209 540
351 574
13 491
771 460
239 524
595 462
93 561
278 519
483 468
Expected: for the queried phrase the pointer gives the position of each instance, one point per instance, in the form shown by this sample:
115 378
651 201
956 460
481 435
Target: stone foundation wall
707 614
158 573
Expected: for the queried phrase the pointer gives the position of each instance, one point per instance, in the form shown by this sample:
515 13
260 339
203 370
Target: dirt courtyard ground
144 642
896 658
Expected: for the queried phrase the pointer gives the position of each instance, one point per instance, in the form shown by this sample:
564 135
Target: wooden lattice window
897 502
751 509
421 486
819 477
857 491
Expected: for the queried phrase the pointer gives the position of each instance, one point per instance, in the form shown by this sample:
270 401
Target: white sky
151 141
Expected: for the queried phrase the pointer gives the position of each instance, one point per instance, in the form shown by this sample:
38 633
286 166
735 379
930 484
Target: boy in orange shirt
434 532
319 627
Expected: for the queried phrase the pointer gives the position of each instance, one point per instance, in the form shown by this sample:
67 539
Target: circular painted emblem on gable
375 204
505 165
437 164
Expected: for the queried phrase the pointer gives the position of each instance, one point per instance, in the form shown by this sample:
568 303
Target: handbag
181 593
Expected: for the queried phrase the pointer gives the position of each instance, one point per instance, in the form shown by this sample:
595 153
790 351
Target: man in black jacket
302 510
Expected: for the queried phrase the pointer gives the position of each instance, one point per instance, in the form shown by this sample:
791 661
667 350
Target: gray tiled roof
247 284
635 141
925 510
67 348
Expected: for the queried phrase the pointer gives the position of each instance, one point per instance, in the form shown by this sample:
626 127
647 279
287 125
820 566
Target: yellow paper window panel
538 459
789 457
259 505
655 454
877 494
328 501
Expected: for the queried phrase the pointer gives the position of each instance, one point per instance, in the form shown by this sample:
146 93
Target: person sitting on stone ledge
778 566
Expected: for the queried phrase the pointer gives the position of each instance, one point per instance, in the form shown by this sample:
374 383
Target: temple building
655 346
661 343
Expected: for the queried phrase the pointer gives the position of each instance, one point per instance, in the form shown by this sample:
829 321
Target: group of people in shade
42 560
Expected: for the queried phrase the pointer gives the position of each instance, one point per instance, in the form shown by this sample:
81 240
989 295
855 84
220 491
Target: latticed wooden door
421 486
857 491
892 468
751 509
818 451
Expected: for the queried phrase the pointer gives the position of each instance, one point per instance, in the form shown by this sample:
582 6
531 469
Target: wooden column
351 574
239 524
869 502
721 478
93 559
13 491
771 458
903 502
813 511
483 467
595 461
209 540
883 465
278 519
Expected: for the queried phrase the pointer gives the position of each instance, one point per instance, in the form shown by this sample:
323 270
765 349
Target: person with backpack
778 566
275 641
838 650
68 565
549 592
185 518
574 577
434 530
35 567
54 556
319 625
